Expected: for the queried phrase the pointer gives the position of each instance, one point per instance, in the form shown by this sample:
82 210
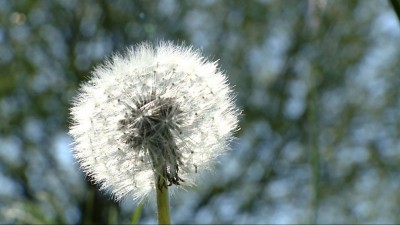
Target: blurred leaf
137 213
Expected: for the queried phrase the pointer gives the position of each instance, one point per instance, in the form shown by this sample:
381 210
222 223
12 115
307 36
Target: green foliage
136 214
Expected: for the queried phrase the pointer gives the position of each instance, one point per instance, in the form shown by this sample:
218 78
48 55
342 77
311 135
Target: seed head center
153 126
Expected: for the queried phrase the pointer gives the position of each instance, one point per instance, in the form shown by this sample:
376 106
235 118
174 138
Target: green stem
136 214
315 156
162 205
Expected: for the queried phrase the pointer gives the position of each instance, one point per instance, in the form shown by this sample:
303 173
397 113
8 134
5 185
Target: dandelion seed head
154 114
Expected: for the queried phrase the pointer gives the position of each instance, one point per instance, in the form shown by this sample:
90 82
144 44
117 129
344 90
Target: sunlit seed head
155 114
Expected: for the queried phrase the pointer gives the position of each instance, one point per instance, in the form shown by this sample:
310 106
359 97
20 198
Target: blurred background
318 82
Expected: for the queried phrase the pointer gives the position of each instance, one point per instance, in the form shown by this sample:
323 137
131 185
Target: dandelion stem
162 205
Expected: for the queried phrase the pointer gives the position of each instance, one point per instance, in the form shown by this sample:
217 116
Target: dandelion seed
154 115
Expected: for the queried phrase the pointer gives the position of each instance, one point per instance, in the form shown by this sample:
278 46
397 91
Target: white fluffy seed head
154 114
